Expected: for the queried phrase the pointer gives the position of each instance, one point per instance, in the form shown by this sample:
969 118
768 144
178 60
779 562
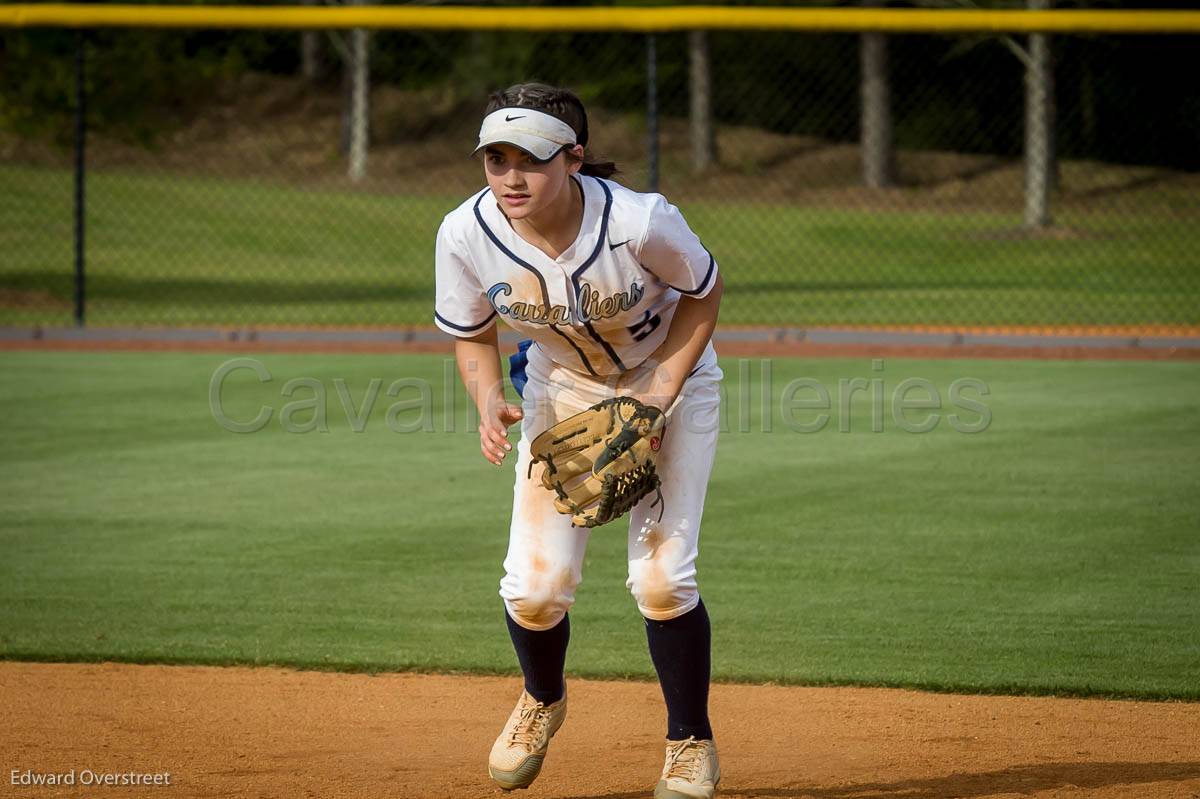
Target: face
523 187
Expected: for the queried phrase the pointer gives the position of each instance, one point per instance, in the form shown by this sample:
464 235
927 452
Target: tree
704 137
1039 145
876 130
360 114
1039 126
356 84
310 51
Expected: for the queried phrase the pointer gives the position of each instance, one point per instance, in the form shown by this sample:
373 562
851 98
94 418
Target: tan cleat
691 770
518 753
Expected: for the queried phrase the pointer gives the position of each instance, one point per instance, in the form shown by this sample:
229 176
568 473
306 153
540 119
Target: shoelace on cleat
684 759
530 724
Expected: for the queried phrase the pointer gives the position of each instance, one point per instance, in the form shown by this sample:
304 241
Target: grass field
1054 552
166 249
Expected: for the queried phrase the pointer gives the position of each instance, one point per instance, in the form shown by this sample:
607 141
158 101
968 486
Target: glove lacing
626 489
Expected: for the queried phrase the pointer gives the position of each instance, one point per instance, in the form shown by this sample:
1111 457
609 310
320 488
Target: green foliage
139 84
1116 97
36 82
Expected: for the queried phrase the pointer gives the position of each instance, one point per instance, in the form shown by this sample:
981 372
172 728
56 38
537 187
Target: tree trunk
1052 117
651 113
704 137
1087 104
359 111
1039 127
310 52
310 55
878 141
347 89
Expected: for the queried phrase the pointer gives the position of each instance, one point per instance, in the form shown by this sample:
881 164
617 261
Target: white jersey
601 307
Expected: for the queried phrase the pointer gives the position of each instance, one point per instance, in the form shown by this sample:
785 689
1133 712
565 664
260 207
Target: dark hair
561 103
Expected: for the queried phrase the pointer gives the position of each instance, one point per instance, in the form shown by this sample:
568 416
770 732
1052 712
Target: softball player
616 296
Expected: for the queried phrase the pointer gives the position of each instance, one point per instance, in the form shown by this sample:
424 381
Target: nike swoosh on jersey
510 119
612 246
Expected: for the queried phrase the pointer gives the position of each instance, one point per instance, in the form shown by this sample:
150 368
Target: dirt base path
234 732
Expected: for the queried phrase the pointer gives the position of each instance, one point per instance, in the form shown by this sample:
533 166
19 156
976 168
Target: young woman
617 297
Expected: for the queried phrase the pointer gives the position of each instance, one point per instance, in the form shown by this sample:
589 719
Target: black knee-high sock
542 654
680 649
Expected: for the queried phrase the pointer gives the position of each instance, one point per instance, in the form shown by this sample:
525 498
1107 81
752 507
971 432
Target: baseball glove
600 462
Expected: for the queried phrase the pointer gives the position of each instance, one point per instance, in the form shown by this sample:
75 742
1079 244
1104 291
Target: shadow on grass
1023 780
232 291
172 290
964 282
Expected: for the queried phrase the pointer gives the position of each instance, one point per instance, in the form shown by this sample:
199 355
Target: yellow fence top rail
607 18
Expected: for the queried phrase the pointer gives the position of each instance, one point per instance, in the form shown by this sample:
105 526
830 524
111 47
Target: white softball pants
544 563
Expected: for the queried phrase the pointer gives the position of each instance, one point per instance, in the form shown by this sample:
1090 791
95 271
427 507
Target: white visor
535 132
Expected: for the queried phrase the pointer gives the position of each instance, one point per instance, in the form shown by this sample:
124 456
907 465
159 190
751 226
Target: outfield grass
1054 552
168 249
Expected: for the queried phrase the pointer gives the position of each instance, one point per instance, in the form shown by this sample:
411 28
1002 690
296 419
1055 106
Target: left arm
691 328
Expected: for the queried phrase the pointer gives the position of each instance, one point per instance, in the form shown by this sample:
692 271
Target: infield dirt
269 732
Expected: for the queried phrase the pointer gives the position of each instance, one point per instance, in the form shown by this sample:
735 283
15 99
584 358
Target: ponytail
599 169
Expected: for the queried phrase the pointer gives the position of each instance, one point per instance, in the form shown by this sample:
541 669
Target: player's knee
660 597
663 581
543 604
537 611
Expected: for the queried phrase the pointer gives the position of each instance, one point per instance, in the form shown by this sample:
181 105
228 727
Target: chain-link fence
839 179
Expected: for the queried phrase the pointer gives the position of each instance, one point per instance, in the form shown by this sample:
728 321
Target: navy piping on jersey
578 351
463 328
508 252
541 279
707 276
600 242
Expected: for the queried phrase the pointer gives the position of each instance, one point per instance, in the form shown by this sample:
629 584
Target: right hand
493 430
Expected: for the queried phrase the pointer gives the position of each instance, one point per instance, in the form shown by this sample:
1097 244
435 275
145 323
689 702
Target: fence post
651 112
80 174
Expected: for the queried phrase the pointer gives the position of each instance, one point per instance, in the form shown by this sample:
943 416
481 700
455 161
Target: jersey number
645 327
